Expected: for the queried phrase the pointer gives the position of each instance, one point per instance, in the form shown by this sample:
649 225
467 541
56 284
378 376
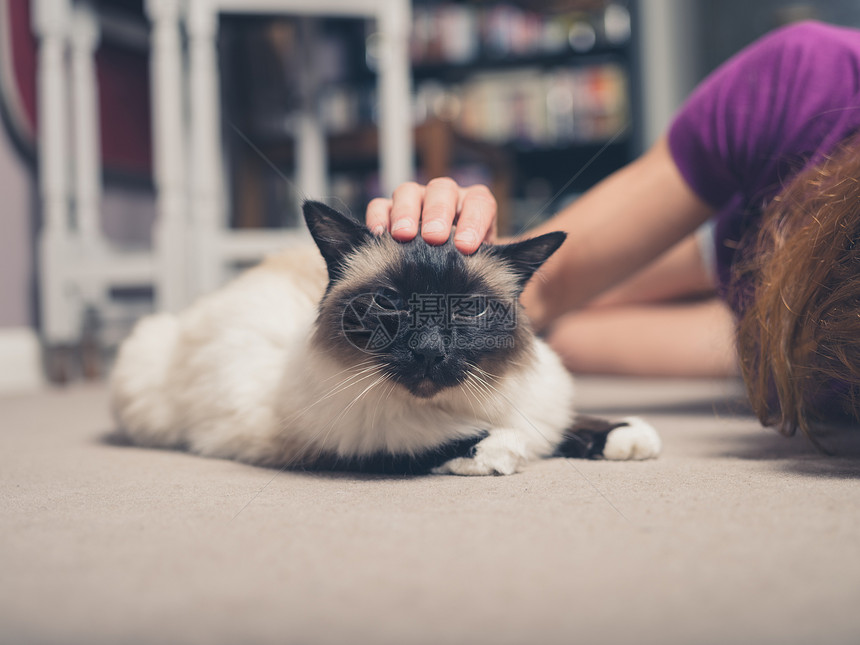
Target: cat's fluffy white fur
235 376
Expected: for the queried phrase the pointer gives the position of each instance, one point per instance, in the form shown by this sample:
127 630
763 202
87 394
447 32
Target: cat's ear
526 257
335 234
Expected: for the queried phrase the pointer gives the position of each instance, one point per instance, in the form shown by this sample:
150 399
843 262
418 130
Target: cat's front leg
503 452
632 439
593 438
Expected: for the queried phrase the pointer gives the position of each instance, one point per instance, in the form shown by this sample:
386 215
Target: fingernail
467 237
434 226
378 230
401 224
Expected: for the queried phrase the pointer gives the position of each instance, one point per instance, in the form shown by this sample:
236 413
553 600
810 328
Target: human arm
614 229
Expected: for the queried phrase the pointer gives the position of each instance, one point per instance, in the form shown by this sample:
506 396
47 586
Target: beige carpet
734 535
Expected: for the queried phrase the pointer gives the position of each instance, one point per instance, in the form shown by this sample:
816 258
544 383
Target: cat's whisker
484 372
374 372
356 399
470 393
351 381
513 407
499 394
362 364
480 380
487 402
480 374
488 379
344 384
489 390
337 389
379 402
332 424
348 382
481 394
308 444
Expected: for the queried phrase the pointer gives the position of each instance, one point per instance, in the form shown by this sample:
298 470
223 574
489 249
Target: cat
378 356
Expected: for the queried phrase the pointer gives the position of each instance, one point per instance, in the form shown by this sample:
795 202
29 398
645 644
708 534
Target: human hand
435 208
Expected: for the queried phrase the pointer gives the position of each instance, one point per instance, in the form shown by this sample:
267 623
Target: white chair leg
170 234
395 114
87 151
311 152
59 303
207 214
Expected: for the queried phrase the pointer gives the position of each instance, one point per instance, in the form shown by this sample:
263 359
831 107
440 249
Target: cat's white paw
502 453
636 440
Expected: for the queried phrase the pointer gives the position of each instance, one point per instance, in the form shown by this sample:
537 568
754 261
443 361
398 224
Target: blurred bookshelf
534 99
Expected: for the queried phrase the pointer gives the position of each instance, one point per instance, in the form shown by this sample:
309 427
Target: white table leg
170 235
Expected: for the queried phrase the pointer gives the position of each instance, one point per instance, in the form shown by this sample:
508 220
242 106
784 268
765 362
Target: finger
406 211
492 232
440 208
378 215
477 219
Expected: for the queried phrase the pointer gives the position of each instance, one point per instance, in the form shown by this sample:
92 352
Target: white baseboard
20 360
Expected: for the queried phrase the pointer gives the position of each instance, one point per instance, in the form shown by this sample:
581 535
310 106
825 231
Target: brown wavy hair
798 287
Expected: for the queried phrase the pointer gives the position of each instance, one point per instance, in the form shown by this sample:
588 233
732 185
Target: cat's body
262 373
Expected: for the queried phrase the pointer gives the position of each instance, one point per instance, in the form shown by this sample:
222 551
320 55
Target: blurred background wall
16 237
538 99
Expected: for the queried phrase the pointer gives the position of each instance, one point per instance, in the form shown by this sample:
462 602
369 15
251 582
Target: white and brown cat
378 356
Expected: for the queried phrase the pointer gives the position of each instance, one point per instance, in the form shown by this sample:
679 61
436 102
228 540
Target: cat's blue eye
388 300
469 307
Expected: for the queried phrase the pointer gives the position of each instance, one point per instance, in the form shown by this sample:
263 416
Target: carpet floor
734 535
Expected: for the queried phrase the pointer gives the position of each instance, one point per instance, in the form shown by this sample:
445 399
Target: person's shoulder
791 61
810 30
811 37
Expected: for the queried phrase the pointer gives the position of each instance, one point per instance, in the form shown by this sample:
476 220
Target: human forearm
616 228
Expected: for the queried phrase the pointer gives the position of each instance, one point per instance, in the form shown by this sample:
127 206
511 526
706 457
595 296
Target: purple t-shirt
780 104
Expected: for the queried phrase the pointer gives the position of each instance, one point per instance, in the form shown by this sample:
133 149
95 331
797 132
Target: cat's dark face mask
429 316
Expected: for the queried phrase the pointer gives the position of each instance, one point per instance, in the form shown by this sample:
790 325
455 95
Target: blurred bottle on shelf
452 34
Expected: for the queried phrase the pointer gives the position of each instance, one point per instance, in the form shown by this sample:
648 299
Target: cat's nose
428 355
428 348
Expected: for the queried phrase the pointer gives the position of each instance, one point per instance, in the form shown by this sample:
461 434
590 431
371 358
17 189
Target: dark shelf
516 169
454 72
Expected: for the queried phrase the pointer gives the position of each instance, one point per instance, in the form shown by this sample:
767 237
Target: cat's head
429 316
